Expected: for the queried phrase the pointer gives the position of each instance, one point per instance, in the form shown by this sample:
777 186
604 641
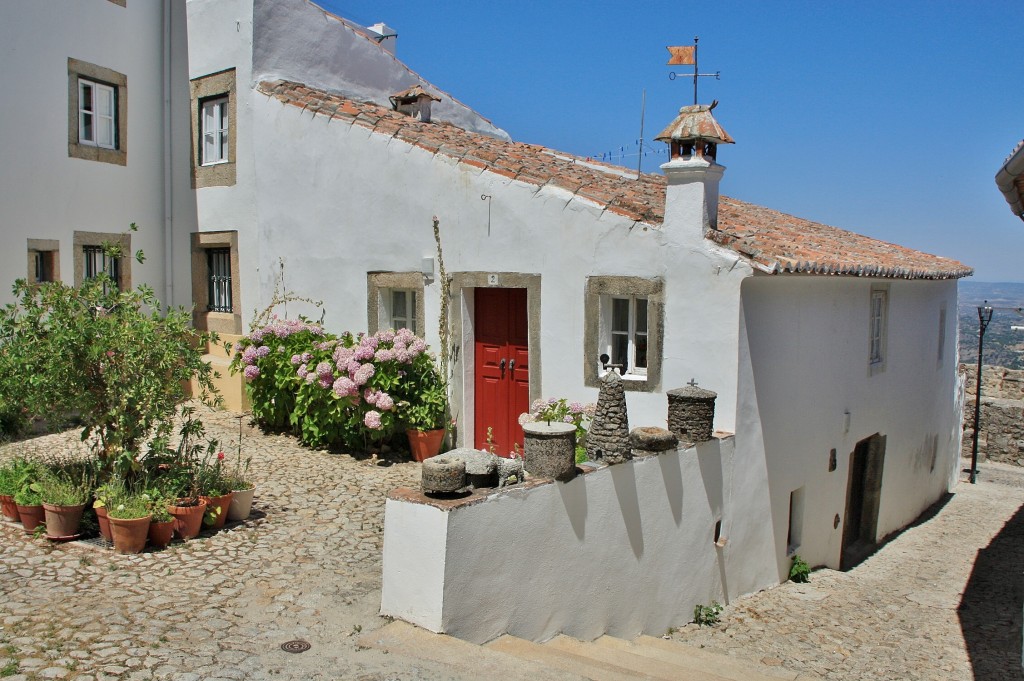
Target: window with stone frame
43 260
94 254
395 301
214 129
623 330
97 113
216 283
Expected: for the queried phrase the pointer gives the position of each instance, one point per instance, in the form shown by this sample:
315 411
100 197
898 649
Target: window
97 261
796 521
626 344
395 301
218 268
97 113
90 249
879 303
215 131
216 283
43 260
214 128
622 330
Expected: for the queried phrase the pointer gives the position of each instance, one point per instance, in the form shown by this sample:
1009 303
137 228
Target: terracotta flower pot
160 533
62 521
129 535
188 520
8 508
101 520
425 443
241 504
218 508
31 517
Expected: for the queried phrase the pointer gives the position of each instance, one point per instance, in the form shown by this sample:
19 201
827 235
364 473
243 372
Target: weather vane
684 55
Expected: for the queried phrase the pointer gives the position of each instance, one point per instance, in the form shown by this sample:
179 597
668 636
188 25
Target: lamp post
984 317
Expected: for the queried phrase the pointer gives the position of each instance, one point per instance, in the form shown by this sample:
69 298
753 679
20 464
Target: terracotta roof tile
775 241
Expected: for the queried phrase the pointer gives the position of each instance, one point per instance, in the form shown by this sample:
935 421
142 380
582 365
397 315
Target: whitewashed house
94 130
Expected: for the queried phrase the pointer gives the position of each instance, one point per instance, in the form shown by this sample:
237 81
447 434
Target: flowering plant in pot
214 488
129 515
560 410
161 523
181 472
101 497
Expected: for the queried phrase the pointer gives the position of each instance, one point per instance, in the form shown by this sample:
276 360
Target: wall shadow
574 499
990 609
672 477
624 480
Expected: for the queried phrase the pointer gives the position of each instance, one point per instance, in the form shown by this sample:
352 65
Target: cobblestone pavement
307 566
942 600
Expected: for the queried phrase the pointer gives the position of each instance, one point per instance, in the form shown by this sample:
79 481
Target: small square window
399 309
622 331
215 120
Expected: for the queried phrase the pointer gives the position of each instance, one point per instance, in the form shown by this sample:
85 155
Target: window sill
214 163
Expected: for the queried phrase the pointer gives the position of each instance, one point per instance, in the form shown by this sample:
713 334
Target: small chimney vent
384 35
414 102
695 133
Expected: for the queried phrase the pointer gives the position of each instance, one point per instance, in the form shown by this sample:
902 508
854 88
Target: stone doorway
863 496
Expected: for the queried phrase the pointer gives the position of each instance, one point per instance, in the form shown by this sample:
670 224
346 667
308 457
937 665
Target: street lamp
984 317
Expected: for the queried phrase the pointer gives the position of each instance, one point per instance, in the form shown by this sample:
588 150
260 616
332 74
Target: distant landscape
1003 345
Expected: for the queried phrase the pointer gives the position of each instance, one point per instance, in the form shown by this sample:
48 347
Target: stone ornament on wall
608 437
691 413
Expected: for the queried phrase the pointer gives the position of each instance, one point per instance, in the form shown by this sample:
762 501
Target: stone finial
691 413
608 437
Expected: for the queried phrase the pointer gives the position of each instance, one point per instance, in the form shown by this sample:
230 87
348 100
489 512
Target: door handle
501 365
511 365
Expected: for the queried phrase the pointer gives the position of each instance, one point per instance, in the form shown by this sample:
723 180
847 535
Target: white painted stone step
635 665
692 657
470 661
581 664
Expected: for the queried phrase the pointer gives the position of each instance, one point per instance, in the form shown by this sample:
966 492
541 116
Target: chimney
693 174
384 35
414 102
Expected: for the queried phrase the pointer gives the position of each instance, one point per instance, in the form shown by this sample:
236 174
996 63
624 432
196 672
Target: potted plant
10 481
424 409
181 472
214 489
65 488
27 497
129 515
241 485
161 524
101 497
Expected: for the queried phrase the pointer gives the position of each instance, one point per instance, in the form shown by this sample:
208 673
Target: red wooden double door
502 372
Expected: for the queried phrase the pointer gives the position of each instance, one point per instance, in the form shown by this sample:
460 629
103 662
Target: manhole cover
295 646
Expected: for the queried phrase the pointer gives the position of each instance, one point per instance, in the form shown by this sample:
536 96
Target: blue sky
885 118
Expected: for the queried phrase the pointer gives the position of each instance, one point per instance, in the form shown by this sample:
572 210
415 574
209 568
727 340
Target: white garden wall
623 550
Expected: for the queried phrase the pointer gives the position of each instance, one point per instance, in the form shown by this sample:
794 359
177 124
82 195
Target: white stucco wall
623 550
44 194
804 364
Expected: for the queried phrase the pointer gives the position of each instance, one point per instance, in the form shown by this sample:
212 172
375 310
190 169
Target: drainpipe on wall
168 184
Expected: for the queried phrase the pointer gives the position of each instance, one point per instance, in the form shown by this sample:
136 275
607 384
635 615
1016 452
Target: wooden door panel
501 333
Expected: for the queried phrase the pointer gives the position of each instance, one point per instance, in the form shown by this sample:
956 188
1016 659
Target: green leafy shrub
112 357
67 483
799 571
707 615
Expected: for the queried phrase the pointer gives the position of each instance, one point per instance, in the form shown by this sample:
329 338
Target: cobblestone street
940 601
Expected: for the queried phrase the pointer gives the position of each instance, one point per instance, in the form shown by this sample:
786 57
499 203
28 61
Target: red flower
220 456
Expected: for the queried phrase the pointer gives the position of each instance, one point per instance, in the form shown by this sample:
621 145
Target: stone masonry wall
1001 436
